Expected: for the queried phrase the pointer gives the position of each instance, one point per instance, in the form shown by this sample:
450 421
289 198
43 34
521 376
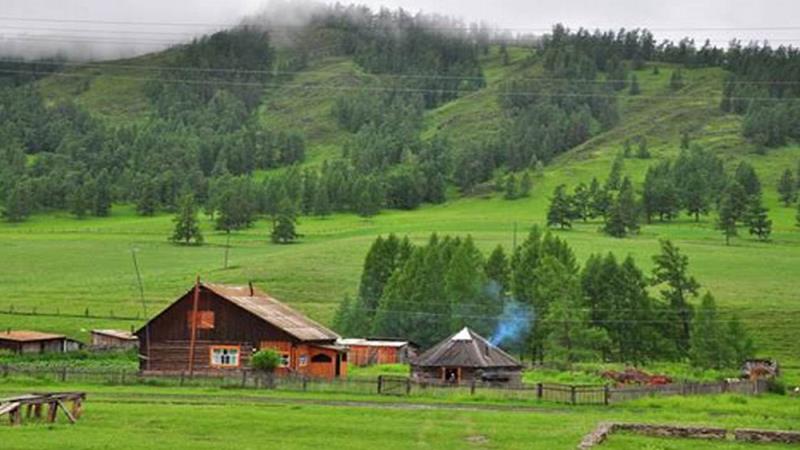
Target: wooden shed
215 327
27 342
114 339
467 357
367 352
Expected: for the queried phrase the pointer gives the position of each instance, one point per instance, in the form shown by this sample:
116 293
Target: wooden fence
387 385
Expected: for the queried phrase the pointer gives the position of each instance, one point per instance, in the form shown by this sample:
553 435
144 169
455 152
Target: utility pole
144 305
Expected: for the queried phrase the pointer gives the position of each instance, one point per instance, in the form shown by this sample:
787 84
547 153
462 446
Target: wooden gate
388 385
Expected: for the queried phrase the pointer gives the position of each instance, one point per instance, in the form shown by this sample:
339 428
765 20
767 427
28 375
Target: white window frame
225 356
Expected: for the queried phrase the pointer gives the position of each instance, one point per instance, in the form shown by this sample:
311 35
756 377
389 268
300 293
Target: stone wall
605 429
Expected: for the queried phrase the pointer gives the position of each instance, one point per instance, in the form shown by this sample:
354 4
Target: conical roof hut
466 356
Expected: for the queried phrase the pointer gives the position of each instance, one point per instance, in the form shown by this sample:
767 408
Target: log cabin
113 339
215 327
368 352
26 342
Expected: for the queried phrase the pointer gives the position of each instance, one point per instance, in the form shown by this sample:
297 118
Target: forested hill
359 111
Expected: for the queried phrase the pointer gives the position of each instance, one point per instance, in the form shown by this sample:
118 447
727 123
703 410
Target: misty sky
138 26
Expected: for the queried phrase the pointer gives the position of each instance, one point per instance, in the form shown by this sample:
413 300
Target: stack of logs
33 404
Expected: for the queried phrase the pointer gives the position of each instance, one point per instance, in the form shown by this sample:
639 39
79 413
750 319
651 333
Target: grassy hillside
57 263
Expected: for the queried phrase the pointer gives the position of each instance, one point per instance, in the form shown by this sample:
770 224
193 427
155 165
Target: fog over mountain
99 29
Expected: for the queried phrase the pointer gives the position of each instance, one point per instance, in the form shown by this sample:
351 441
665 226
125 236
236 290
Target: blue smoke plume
513 324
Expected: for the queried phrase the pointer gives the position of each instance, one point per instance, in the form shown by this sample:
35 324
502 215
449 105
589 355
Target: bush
775 386
266 360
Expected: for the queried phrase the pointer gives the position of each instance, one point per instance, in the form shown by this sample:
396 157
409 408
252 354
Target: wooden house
467 357
27 342
114 339
216 327
367 352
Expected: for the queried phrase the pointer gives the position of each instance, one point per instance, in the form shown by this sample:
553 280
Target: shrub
266 360
775 386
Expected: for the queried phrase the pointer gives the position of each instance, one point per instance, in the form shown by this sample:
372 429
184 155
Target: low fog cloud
103 29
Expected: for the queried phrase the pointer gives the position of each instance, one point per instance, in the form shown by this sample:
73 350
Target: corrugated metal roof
119 334
276 313
29 336
371 342
466 349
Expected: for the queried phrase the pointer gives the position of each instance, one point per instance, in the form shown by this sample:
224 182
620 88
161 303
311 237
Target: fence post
539 391
606 394
5 370
472 387
182 375
63 374
244 379
122 377
305 383
408 386
380 384
572 396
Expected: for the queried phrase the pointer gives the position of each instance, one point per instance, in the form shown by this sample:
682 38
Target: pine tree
310 185
498 270
570 338
465 282
739 341
582 202
726 222
786 188
746 176
735 199
525 184
757 219
283 229
101 195
672 272
78 199
147 202
322 204
600 200
615 176
634 89
19 201
710 347
187 228
623 217
510 187
560 213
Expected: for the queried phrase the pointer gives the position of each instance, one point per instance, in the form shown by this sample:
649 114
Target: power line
422 26
113 65
381 88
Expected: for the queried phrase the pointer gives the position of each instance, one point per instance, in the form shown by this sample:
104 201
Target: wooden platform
33 404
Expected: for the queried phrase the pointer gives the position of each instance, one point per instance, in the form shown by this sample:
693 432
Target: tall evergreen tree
498 270
746 176
322 203
147 201
511 187
757 220
614 180
570 336
710 347
600 199
671 271
466 291
79 200
101 195
623 217
19 201
786 188
560 213
283 229
582 202
187 228
726 222
525 184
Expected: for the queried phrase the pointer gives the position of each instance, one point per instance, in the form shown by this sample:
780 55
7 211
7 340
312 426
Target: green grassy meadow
54 263
141 417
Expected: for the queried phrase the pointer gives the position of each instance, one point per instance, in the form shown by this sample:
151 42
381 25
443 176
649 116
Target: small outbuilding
466 357
114 339
368 352
28 342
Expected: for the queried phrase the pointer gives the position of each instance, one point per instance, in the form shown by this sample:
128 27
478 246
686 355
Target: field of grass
54 263
142 417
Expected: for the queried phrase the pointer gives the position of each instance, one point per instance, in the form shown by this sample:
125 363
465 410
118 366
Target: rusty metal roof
271 310
466 349
118 334
29 336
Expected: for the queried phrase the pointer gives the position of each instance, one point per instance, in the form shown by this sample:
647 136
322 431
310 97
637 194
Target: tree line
694 183
603 311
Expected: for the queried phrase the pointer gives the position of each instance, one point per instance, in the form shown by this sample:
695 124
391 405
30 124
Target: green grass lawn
140 417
